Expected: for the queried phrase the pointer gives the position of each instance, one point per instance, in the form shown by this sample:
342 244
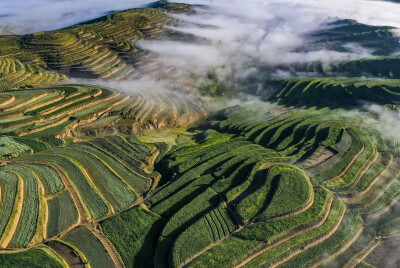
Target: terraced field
62 193
74 110
346 35
289 187
306 176
102 48
283 189
335 91
337 35
18 74
249 215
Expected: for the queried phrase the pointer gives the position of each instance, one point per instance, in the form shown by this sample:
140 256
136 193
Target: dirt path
82 214
362 254
108 246
314 243
342 248
7 102
15 216
211 246
307 205
84 220
354 197
347 167
43 216
27 102
357 180
35 130
379 186
273 244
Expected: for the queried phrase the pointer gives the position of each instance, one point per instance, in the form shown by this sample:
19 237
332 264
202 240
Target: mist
245 35
22 16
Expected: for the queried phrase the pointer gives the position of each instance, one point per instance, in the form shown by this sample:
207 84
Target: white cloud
245 34
27 16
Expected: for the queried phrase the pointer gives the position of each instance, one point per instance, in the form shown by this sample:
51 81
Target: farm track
347 167
357 196
108 246
357 180
340 251
315 242
361 255
27 102
212 246
102 49
285 239
41 228
384 183
275 243
7 102
82 218
16 215
72 258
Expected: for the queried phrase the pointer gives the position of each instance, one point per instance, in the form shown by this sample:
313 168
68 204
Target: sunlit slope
75 110
58 180
102 48
61 193
293 188
96 177
251 186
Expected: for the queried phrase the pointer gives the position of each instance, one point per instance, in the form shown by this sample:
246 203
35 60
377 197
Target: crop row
21 75
103 171
246 247
220 167
22 223
61 110
335 90
90 246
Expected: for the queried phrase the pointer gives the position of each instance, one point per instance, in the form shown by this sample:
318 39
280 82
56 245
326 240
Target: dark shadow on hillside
145 256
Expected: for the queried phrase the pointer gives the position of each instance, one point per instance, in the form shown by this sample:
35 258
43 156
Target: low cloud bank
244 34
249 34
28 16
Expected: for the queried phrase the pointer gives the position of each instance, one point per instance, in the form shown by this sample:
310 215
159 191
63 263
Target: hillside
100 168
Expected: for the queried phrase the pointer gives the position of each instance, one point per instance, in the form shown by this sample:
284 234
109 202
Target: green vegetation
9 148
8 185
285 191
134 234
62 214
29 214
210 229
335 91
51 181
35 258
87 243
89 175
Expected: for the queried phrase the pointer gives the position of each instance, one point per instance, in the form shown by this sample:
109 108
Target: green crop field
115 155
